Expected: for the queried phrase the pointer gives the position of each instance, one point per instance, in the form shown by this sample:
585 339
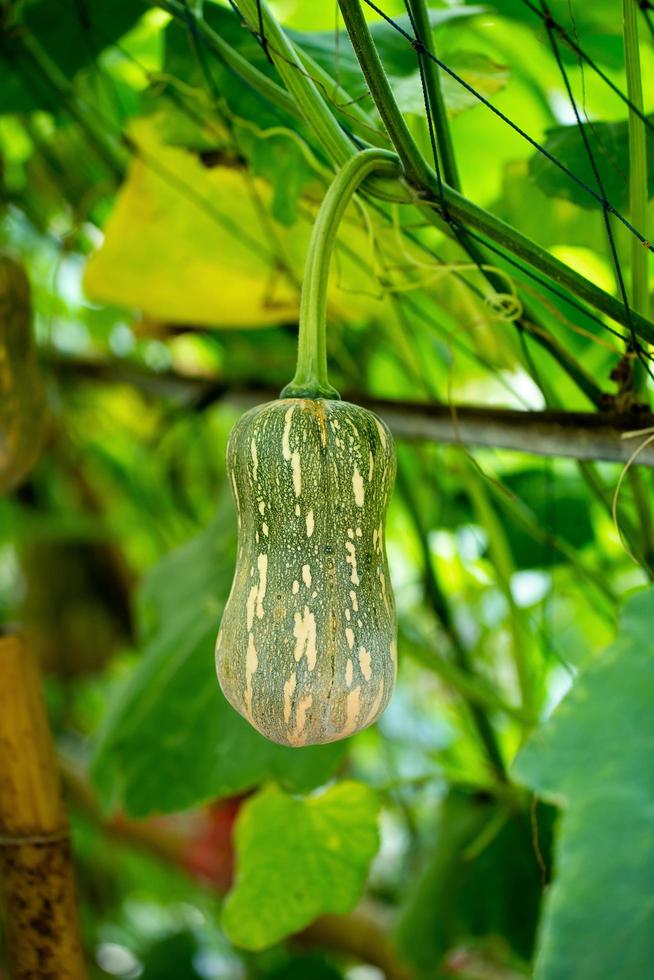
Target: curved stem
310 379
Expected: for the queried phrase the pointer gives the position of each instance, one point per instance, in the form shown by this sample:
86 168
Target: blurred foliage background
160 208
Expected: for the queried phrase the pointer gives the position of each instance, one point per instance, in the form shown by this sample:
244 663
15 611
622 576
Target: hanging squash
307 647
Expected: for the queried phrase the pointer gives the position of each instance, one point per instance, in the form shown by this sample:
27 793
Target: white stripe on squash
304 632
357 487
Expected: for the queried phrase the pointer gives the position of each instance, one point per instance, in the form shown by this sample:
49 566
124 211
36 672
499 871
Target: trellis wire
416 43
549 21
221 218
518 129
457 228
461 232
429 110
633 344
421 49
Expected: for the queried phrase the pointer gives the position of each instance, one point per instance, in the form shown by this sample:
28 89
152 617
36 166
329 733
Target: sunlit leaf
298 859
476 69
210 223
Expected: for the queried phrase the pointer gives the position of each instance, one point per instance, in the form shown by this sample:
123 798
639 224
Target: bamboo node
20 840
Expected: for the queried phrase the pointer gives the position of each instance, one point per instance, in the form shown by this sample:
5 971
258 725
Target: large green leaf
610 144
171 740
71 33
560 507
483 879
478 70
335 54
259 130
298 859
594 757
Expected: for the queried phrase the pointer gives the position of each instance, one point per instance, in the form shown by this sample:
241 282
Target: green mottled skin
307 644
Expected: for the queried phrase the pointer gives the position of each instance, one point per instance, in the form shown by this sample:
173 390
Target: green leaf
594 17
71 33
171 740
279 160
334 53
560 506
483 878
478 70
594 757
610 144
298 859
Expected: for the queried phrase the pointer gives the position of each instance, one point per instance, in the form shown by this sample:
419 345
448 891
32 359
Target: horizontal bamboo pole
575 435
37 886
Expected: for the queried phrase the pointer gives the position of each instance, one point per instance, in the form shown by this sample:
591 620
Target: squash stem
310 380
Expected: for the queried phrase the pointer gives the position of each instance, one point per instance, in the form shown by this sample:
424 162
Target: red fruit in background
208 853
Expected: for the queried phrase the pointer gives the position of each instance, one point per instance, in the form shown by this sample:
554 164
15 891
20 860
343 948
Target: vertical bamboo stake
36 872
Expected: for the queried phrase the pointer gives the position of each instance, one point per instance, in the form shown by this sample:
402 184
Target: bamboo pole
37 887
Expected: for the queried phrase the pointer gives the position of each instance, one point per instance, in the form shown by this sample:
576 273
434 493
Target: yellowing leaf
196 244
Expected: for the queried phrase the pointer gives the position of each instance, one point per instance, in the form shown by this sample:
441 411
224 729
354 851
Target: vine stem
446 153
310 380
302 86
454 204
338 147
637 156
303 89
637 174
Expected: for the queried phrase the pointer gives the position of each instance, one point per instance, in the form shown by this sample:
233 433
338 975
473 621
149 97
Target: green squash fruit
307 648
22 402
